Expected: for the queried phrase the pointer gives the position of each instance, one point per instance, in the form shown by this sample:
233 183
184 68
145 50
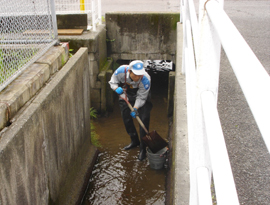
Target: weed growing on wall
94 135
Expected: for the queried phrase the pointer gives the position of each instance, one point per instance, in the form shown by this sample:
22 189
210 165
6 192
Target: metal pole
222 172
94 16
82 7
54 20
184 37
208 55
203 186
99 11
181 10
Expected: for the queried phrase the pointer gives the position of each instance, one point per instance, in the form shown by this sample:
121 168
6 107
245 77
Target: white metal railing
91 7
202 39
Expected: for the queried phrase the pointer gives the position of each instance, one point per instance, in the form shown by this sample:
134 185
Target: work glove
119 90
134 113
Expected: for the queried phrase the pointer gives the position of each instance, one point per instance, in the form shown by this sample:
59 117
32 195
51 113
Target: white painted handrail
202 41
204 194
222 173
251 75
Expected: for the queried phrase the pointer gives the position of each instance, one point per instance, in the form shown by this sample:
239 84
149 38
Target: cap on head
137 67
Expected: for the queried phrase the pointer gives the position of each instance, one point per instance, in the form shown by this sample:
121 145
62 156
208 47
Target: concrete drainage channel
118 176
58 114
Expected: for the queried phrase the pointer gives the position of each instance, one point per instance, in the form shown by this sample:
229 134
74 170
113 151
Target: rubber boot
142 154
134 142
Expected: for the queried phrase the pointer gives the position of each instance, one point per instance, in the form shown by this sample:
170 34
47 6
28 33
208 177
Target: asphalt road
250 160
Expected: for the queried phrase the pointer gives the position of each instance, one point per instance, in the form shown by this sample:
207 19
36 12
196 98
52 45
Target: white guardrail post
251 75
204 195
208 63
222 172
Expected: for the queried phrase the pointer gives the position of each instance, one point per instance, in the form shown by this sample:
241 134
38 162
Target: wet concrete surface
118 176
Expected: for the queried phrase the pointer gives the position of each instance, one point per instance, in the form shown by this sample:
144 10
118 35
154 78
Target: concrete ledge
88 39
180 155
181 150
23 88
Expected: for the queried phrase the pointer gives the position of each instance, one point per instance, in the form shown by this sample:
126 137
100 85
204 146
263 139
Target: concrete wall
126 36
32 79
148 35
46 153
97 53
180 150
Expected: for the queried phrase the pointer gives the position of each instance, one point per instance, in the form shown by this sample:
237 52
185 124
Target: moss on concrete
157 24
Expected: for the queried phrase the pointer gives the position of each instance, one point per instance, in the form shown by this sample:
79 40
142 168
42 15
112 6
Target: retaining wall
46 153
98 61
141 35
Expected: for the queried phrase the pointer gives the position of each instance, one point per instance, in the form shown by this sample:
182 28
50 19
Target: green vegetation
94 135
103 19
213 193
12 60
70 52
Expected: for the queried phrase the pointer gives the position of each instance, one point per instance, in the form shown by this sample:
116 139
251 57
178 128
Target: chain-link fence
27 30
91 7
72 6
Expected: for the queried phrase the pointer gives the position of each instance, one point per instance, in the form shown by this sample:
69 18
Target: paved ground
249 157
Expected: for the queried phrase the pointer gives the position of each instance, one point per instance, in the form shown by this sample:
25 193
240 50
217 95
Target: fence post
204 187
54 21
184 36
82 7
222 172
93 16
208 53
99 12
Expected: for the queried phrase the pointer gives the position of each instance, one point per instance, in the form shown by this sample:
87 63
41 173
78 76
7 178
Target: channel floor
118 176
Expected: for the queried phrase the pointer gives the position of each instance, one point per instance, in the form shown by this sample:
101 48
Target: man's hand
134 113
119 90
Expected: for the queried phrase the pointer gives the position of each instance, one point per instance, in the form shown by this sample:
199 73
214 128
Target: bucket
158 159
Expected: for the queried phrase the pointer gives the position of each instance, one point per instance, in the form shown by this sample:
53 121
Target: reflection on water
122 179
118 176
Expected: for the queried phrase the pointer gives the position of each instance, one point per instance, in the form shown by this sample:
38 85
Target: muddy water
118 176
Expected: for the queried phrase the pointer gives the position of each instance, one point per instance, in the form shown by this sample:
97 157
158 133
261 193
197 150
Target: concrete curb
180 134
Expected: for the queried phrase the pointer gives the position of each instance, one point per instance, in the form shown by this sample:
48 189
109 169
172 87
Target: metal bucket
157 160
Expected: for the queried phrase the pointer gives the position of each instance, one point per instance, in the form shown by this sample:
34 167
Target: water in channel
118 176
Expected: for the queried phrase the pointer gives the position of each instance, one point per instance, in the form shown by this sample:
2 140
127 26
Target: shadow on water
118 176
